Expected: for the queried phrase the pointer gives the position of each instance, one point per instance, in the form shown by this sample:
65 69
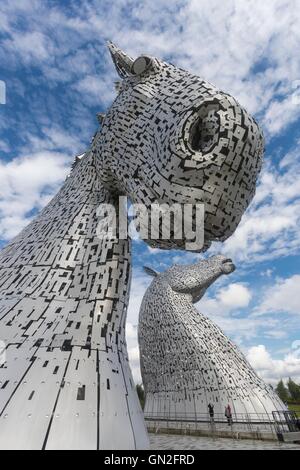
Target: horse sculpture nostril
196 136
227 260
228 266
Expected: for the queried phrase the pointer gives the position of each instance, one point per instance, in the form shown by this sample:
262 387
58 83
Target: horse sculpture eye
205 130
196 136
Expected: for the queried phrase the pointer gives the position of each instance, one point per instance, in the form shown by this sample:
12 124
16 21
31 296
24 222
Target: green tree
282 391
294 390
141 394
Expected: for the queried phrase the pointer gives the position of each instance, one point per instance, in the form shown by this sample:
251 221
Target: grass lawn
295 408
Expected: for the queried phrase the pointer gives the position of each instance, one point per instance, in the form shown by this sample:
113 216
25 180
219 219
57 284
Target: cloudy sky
58 75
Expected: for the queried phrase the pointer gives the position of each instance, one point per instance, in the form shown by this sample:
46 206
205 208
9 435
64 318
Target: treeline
289 393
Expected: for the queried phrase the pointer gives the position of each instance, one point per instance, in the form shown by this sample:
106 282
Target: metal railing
257 424
254 425
286 421
240 418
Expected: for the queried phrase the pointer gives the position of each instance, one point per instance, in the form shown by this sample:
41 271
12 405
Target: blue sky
58 75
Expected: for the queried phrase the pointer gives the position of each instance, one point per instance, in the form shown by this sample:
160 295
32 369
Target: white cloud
131 331
97 88
235 296
29 46
281 113
4 147
282 297
272 370
153 251
134 354
269 229
27 183
268 273
276 334
212 38
232 297
140 282
53 138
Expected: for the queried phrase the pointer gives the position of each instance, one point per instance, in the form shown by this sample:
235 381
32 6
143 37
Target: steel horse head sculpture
187 362
169 137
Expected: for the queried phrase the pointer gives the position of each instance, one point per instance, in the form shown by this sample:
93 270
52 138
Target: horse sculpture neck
63 311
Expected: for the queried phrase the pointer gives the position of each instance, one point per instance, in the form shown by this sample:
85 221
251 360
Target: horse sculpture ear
122 61
126 66
150 271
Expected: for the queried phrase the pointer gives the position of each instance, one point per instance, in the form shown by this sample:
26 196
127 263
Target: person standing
211 412
228 414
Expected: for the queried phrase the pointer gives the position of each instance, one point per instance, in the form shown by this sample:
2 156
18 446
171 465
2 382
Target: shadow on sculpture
187 362
169 137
